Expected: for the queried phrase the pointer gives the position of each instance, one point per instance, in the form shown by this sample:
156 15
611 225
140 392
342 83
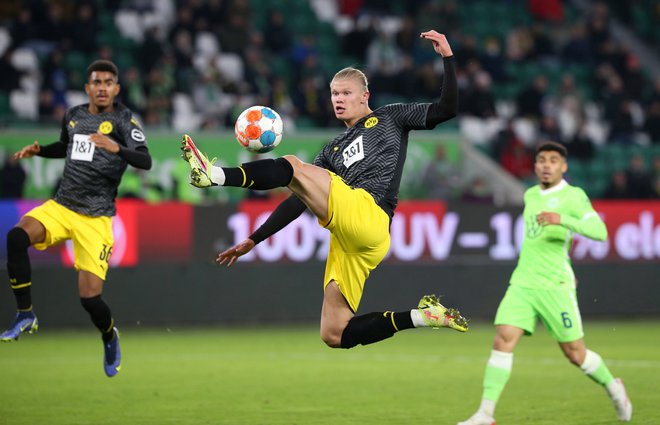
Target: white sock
417 318
217 175
487 407
501 360
591 362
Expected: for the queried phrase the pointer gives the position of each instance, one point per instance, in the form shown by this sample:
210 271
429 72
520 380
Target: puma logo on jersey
353 152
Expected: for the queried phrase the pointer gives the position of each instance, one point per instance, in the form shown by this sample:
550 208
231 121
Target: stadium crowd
529 70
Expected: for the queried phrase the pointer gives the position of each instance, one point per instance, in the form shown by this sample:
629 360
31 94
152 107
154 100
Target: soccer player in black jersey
352 188
98 139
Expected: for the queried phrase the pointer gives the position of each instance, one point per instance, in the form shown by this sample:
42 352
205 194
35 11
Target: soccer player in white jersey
352 188
543 286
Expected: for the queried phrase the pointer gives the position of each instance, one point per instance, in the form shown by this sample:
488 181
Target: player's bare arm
28 151
440 43
230 255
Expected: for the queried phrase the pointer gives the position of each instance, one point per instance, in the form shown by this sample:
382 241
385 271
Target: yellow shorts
359 238
92 236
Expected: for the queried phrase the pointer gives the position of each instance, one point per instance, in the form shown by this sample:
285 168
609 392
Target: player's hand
230 255
545 218
28 151
440 43
104 142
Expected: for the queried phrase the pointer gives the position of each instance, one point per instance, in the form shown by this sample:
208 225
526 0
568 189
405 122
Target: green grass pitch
264 376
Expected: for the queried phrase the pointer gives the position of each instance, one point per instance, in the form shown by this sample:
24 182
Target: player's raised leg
27 232
594 367
340 328
259 175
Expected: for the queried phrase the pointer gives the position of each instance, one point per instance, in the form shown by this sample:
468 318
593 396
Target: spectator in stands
55 28
407 36
517 160
549 129
618 187
492 60
530 101
543 49
547 10
355 42
151 49
280 98
578 48
24 29
184 22
10 75
84 28
184 52
598 25
634 80
384 60
478 192
580 145
311 100
468 51
235 36
478 100
618 113
277 35
519 45
639 180
12 178
652 122
656 176
133 92
441 178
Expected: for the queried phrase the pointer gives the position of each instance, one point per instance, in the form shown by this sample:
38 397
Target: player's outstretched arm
446 107
229 256
28 151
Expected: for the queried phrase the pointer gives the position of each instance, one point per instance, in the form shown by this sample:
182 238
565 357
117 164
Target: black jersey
91 176
370 154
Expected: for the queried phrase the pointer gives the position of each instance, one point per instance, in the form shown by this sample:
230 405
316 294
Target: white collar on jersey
554 189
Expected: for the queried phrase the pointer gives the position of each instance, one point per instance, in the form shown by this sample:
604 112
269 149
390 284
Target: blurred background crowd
584 73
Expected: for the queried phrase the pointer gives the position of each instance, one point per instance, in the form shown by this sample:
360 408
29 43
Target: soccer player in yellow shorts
98 139
352 188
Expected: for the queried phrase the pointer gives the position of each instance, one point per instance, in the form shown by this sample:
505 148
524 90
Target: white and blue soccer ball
259 129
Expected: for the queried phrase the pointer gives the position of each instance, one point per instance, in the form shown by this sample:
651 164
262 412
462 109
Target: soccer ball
259 129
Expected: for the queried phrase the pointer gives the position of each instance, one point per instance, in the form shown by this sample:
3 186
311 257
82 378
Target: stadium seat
5 40
25 59
24 104
129 24
231 66
206 44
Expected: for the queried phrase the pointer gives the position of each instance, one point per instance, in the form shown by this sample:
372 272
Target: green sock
595 368
498 371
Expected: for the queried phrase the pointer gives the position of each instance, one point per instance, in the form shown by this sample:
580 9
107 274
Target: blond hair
352 73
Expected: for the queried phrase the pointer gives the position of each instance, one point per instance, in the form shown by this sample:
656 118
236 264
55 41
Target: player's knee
575 357
17 240
295 162
503 343
330 338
